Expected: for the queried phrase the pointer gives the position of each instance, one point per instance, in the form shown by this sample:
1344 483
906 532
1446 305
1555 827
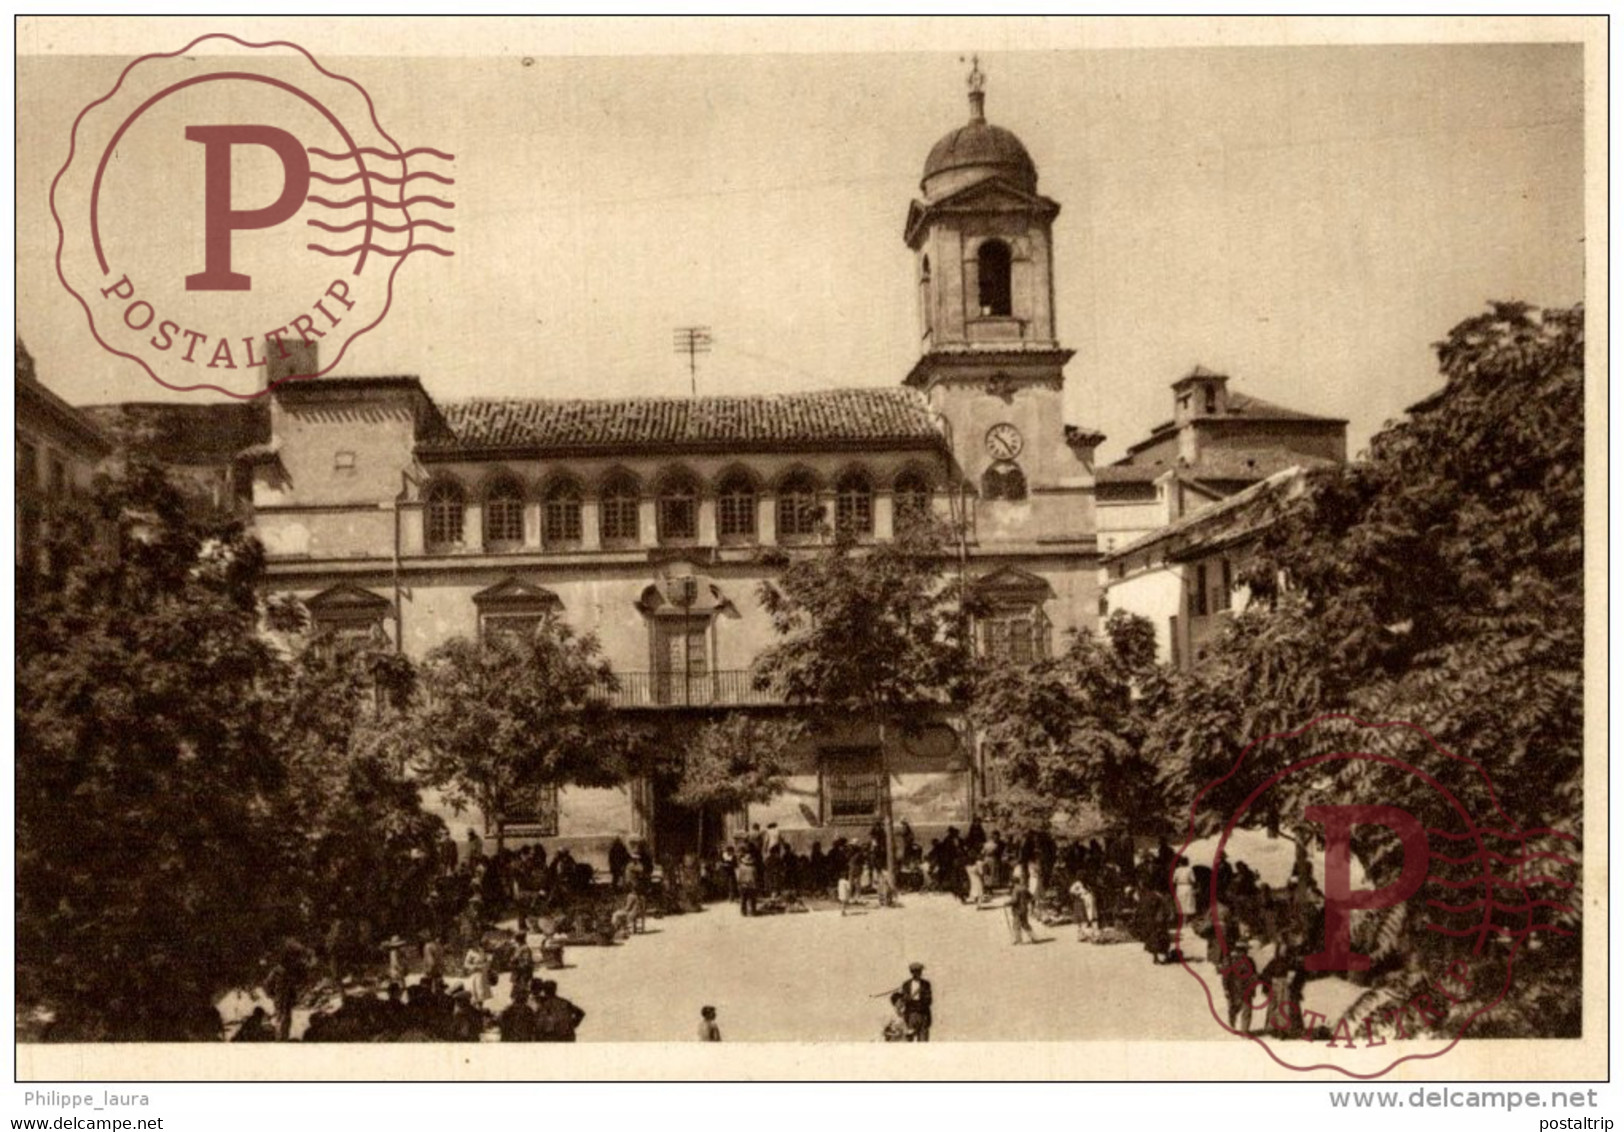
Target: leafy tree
1065 733
497 721
1439 581
366 847
736 761
150 864
875 632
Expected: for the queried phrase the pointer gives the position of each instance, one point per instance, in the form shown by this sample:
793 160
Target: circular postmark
231 211
1351 895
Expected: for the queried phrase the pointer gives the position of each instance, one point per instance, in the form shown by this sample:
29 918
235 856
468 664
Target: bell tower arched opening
994 262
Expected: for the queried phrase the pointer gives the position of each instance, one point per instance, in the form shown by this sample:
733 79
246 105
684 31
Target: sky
1306 219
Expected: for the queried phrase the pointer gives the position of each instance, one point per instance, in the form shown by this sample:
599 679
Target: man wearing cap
916 1001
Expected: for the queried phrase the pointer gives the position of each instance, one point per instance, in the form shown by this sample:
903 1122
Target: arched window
444 519
910 497
1003 481
992 273
618 507
799 515
678 513
854 504
563 514
736 508
504 513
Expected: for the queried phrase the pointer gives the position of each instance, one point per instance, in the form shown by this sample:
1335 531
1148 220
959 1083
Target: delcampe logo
214 208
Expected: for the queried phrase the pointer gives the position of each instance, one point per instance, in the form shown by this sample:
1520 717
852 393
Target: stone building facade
58 452
415 518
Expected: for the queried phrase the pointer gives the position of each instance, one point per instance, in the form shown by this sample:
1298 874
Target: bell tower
990 358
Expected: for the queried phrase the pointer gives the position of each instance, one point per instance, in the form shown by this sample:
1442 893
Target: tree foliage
1065 734
196 779
872 632
1438 581
149 857
366 848
497 721
737 761
876 630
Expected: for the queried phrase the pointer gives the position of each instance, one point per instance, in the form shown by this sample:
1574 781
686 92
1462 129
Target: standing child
477 965
1085 910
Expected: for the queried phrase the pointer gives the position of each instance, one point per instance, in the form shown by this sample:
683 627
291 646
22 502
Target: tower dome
977 151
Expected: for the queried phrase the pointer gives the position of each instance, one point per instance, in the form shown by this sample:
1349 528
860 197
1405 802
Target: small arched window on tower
443 522
1004 480
992 277
854 505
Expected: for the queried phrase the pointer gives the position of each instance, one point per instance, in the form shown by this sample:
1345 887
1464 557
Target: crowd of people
514 911
487 915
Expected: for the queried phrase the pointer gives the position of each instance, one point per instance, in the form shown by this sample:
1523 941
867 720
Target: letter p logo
1341 901
220 219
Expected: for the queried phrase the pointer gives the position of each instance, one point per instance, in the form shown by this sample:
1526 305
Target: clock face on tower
1004 442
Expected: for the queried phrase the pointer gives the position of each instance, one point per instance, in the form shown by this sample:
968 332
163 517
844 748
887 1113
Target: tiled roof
1129 473
838 417
1257 409
1249 464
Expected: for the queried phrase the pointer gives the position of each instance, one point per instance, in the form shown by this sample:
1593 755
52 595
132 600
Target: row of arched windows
798 508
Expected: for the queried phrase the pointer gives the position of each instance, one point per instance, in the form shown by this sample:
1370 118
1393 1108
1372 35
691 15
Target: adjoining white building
1184 577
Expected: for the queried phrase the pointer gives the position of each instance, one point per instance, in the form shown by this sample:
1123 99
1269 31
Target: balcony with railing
659 689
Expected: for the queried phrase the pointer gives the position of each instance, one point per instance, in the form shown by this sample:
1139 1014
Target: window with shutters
850 784
799 514
910 498
562 515
678 513
618 511
504 514
682 660
1015 636
736 508
854 505
443 522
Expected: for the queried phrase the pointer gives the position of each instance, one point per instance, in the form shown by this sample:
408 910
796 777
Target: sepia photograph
1075 540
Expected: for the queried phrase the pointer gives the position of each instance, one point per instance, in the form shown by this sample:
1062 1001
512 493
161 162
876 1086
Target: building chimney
289 359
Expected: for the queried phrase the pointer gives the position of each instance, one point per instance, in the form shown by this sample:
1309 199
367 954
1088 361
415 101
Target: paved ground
811 977
821 977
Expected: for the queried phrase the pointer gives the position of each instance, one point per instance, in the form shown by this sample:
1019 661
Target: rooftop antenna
693 341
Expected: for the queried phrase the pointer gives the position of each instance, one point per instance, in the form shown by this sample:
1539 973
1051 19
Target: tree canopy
498 721
149 858
1438 581
1065 734
737 761
876 629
